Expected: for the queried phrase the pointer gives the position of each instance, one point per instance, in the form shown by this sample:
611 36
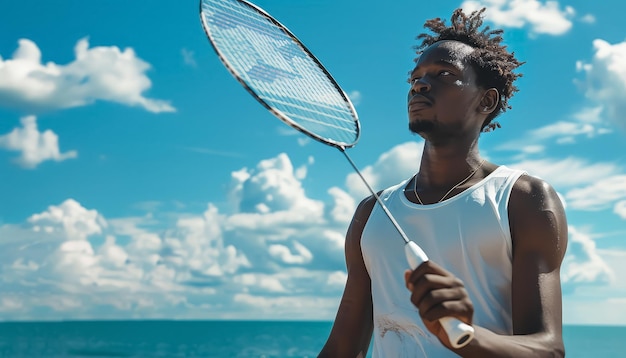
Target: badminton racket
286 78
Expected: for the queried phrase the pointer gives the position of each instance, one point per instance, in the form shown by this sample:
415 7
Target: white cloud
583 265
598 195
70 219
605 79
87 266
337 278
135 269
283 306
393 166
532 149
591 278
112 255
189 57
281 252
285 261
97 73
589 115
275 184
261 282
304 140
586 186
344 206
564 129
567 172
301 138
355 97
197 245
589 19
34 146
541 17
587 123
620 209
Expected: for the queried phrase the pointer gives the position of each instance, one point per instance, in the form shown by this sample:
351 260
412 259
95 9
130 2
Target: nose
419 85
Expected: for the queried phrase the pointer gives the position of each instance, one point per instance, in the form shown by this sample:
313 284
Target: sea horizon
254 338
286 320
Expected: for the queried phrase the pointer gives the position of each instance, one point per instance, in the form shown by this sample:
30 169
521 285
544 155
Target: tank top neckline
460 195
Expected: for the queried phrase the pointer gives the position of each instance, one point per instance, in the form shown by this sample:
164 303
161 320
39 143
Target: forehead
453 52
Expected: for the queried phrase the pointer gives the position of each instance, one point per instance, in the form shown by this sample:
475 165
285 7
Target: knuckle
458 283
469 306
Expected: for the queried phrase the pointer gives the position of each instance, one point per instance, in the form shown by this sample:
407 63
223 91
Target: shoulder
366 206
353 253
361 216
530 192
362 213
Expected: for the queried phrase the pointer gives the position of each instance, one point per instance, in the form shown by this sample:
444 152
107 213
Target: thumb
407 276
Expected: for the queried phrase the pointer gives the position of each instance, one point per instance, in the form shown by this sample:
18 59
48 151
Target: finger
427 267
443 297
425 300
427 283
461 309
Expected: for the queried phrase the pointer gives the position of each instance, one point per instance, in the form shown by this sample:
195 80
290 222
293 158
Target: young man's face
443 94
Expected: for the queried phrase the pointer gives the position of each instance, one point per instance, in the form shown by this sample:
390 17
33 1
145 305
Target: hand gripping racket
288 80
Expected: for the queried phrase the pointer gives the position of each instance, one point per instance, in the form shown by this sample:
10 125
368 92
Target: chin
421 126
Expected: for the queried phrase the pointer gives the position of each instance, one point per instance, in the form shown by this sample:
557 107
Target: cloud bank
539 17
271 252
96 74
605 79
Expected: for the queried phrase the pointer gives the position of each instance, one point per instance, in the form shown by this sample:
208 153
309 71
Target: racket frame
279 114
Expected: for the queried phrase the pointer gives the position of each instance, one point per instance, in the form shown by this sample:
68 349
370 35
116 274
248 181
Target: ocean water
222 339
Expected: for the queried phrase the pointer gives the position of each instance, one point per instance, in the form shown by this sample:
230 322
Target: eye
445 73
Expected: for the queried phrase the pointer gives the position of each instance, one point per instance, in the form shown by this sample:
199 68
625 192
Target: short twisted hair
492 62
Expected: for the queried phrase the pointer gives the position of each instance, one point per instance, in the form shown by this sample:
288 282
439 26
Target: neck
443 166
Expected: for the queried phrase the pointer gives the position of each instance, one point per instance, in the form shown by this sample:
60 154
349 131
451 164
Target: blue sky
139 180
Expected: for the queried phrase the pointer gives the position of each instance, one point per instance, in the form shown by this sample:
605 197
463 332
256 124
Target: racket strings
279 71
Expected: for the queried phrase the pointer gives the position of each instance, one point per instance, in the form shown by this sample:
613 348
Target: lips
419 102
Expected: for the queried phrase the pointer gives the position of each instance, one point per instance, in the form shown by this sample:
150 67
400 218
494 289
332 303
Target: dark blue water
222 339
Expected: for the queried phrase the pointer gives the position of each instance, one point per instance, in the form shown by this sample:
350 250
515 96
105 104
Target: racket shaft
459 333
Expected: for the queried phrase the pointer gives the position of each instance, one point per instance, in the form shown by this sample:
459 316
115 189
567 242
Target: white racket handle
459 333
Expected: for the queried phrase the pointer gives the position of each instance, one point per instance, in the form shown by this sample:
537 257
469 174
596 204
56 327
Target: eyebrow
438 62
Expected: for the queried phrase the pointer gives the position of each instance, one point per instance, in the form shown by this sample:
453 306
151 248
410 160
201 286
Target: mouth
418 103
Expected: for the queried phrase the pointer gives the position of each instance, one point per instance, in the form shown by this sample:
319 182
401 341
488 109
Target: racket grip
459 333
414 254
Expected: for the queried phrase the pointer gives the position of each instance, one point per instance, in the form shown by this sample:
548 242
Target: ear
489 101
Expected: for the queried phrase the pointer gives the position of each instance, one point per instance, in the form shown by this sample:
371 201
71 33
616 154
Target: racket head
275 67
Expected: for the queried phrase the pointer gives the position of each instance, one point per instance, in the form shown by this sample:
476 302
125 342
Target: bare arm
539 233
352 330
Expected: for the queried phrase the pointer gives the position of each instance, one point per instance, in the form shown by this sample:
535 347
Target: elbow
557 351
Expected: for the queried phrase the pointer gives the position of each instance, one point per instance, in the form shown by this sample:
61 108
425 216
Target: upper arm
352 329
539 234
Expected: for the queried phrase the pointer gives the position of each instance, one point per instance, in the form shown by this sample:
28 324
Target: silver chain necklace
449 191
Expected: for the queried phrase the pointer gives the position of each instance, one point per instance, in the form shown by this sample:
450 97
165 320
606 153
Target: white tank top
467 235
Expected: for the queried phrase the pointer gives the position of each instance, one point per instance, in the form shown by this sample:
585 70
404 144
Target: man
495 236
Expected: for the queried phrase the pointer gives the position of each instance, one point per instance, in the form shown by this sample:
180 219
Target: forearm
347 342
351 332
489 344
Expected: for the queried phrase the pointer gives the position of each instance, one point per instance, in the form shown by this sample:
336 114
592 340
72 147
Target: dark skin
447 109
